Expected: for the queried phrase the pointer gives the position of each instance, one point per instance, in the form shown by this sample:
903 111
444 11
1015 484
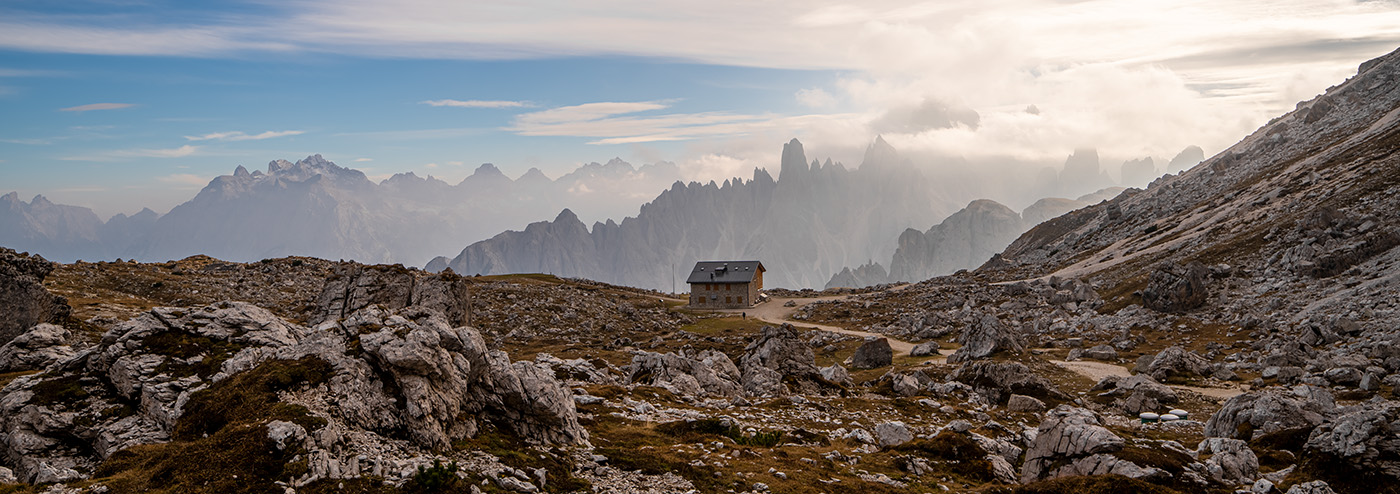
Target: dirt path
1100 370
773 311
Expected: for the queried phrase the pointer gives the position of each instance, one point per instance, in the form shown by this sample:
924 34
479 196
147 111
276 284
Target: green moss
237 459
185 346
65 390
252 396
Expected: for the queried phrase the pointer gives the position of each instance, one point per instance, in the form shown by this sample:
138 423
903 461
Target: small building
725 284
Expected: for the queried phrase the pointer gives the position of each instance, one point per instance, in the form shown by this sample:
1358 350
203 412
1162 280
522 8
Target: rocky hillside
964 240
314 207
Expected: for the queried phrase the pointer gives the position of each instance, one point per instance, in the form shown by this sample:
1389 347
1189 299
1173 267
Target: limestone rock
36 348
1314 487
778 352
1135 394
22 294
893 434
353 287
925 349
999 380
836 374
1174 362
874 353
1367 438
1270 410
1231 461
710 374
1101 352
985 337
1176 288
1068 435
1023 403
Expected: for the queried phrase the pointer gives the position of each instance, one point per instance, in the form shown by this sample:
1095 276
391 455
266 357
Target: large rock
1261 412
1367 438
36 349
1174 363
1176 288
404 373
893 434
999 380
777 353
22 294
1135 394
1231 461
984 338
872 354
1070 441
354 286
710 373
925 349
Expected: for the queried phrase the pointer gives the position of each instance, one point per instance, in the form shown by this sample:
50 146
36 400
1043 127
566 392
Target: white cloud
363 160
125 154
240 136
97 106
815 98
475 103
616 123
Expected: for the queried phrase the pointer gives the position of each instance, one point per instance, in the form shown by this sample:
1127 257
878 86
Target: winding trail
774 312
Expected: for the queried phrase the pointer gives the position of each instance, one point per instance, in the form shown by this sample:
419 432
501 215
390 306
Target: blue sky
121 104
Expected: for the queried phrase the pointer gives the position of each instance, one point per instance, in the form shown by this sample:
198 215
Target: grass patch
185 346
692 431
252 397
64 391
1094 484
514 452
954 454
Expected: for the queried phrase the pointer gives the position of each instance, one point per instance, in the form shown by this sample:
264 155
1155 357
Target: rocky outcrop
1176 288
1070 441
925 349
1367 439
1230 461
36 349
23 295
1271 410
1136 394
353 287
777 353
1173 363
985 337
404 373
998 381
872 354
709 373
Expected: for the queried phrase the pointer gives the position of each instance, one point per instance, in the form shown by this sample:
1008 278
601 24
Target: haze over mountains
316 208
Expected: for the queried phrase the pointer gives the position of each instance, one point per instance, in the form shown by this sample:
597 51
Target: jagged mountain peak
880 153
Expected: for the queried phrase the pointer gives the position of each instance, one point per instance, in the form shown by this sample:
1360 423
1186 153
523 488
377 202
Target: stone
1101 352
285 433
353 287
776 354
999 380
925 349
23 295
873 354
1173 363
1023 403
984 338
836 374
1231 461
37 348
1176 288
860 435
1313 487
711 373
890 434
1135 394
1343 376
1067 435
1260 412
1366 438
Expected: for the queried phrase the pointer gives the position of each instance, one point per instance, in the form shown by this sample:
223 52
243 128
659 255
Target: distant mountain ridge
316 208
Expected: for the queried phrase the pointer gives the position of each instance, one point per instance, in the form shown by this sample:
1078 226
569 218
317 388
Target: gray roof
724 271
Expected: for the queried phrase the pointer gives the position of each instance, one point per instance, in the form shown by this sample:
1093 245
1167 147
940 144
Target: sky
124 104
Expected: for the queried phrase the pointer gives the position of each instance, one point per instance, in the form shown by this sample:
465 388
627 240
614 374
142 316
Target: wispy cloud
97 106
363 160
125 154
240 136
618 123
184 180
475 103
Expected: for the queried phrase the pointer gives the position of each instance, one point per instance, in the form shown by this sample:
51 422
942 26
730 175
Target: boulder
1176 288
872 354
1023 403
1101 352
1231 461
1174 363
777 353
711 373
36 349
1260 412
1070 441
1135 394
984 338
836 374
999 380
353 287
1366 438
893 434
1314 487
925 349
22 294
